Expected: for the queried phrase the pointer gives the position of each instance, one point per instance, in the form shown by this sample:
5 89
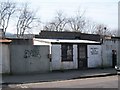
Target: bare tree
90 27
25 21
78 22
7 9
102 29
49 27
58 24
114 32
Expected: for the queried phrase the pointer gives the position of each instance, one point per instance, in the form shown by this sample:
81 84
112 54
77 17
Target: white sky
100 11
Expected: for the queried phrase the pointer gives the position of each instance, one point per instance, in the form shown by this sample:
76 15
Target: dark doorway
114 58
82 56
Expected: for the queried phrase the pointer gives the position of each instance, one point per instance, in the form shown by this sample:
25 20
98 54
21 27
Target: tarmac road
95 82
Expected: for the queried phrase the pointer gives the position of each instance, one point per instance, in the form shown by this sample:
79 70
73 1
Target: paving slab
57 75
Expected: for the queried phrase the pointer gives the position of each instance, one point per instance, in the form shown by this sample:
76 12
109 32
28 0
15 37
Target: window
67 52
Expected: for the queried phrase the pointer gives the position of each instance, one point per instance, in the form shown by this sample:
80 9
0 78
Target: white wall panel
75 56
57 63
94 56
56 57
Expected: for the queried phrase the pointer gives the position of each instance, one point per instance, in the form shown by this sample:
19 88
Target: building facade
72 54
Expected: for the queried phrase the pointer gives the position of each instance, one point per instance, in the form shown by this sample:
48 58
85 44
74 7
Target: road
98 82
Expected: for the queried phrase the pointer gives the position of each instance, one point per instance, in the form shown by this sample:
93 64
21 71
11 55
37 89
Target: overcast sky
100 11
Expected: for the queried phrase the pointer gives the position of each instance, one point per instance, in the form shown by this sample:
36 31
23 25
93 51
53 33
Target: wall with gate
29 59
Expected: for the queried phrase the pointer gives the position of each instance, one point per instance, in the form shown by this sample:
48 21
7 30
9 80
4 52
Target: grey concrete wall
29 59
107 48
4 58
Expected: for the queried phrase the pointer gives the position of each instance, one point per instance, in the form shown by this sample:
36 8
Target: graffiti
94 51
31 53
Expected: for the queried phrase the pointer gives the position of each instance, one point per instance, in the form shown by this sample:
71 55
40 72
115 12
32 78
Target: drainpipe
118 60
102 42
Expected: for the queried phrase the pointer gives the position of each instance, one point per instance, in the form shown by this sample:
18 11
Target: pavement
57 76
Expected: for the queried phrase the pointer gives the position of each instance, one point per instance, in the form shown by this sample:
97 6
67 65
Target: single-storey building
72 54
57 51
68 51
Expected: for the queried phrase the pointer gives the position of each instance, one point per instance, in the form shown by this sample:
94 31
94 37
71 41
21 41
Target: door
82 56
114 58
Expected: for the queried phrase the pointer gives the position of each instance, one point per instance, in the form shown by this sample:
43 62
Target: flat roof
64 41
67 35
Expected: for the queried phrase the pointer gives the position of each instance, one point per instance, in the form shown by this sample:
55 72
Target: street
96 82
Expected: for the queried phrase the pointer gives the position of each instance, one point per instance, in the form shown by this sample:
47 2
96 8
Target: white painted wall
75 56
56 57
4 58
37 42
94 57
57 64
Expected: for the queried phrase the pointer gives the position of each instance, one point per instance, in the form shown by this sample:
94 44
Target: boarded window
67 52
